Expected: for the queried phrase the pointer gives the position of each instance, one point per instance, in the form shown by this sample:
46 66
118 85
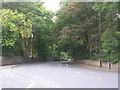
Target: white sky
51 4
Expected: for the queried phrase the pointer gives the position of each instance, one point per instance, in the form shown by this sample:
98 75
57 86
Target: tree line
81 30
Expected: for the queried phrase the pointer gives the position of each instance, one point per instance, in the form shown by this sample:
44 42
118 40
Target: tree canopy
81 30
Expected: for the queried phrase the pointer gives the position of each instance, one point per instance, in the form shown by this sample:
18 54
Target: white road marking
5 72
67 65
8 70
31 85
47 83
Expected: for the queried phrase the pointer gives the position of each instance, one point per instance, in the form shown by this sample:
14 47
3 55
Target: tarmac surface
56 74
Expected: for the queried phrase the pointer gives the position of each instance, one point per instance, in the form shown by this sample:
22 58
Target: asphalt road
56 74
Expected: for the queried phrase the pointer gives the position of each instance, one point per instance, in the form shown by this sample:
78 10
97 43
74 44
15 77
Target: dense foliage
14 25
111 36
89 30
81 30
41 28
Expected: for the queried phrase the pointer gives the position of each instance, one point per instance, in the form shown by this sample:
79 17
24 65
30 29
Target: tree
14 25
42 27
76 22
110 38
109 49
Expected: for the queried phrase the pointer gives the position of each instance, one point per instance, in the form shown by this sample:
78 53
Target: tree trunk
23 47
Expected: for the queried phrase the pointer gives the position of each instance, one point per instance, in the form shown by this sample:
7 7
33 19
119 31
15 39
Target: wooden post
109 65
100 64
109 60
